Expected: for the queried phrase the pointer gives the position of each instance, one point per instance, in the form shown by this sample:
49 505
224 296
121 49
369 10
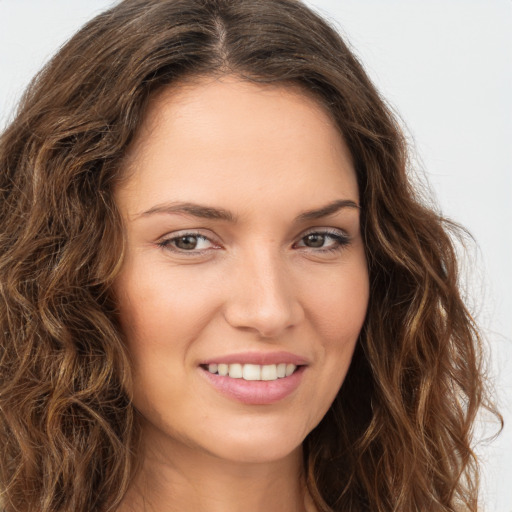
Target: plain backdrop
445 66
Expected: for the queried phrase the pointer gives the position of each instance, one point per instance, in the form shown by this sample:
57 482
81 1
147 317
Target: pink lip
260 358
255 392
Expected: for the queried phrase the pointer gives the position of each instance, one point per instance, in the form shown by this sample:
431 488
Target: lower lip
256 392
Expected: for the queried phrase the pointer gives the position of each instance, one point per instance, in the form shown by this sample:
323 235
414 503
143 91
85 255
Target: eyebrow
210 212
328 209
196 210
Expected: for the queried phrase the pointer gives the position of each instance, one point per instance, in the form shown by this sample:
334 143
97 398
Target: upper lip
260 358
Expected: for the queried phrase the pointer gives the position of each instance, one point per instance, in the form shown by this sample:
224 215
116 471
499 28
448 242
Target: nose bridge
263 298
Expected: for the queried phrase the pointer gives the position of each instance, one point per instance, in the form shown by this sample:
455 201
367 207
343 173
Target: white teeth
269 372
253 371
235 371
290 368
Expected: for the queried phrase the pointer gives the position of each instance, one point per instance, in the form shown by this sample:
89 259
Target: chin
262 443
257 452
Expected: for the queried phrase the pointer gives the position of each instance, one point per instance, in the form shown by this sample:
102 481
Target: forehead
212 136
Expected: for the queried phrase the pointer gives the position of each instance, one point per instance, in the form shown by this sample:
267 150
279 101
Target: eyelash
341 240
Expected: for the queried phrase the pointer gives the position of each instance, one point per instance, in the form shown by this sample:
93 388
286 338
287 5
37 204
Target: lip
253 392
260 358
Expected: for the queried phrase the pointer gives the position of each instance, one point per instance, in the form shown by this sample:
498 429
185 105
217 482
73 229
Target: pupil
187 242
315 240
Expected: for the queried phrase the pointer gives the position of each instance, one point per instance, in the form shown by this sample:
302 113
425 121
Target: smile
252 372
254 384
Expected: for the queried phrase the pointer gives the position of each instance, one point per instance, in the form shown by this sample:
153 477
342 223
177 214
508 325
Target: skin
254 283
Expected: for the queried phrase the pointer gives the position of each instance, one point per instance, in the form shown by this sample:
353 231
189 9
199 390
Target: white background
446 67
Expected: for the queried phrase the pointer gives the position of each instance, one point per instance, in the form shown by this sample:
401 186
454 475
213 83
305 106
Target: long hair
398 435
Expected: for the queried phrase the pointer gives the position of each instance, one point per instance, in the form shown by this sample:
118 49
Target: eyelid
324 230
335 232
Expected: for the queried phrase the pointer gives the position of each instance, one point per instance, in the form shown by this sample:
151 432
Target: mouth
252 372
254 384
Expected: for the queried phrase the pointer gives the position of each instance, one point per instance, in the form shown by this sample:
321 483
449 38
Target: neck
180 478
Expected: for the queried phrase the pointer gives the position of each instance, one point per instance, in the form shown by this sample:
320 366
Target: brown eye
186 243
314 240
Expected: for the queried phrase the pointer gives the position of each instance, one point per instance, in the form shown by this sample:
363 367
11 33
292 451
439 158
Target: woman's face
244 256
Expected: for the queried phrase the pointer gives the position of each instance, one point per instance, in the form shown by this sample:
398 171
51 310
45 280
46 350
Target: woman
219 290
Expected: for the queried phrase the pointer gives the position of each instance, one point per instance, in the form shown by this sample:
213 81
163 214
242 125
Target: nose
263 297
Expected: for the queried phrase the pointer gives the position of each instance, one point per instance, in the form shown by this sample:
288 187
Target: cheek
161 315
338 307
337 310
159 306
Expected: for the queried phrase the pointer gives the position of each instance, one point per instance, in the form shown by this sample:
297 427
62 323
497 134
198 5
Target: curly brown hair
398 435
